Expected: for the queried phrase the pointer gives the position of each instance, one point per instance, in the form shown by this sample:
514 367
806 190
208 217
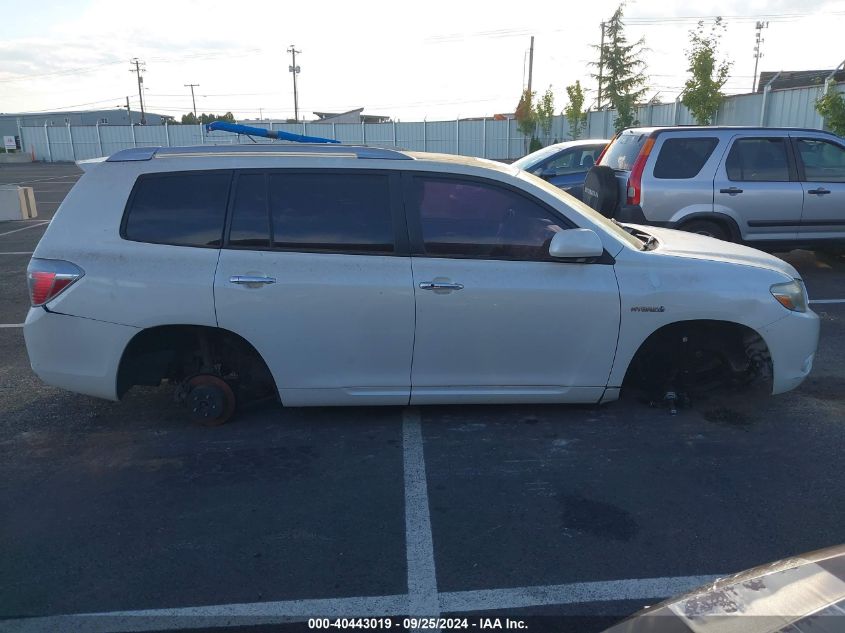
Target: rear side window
182 208
623 151
681 158
758 160
332 212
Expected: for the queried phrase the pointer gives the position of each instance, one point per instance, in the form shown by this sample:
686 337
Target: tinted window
186 208
758 160
683 157
623 151
335 212
823 161
250 214
469 219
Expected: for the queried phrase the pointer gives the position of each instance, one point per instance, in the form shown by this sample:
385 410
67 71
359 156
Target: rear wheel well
177 352
724 221
696 357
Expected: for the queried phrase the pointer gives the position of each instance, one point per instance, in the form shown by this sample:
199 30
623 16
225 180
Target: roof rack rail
268 149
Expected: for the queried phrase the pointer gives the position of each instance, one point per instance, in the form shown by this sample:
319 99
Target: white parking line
422 576
827 301
31 226
9 325
255 613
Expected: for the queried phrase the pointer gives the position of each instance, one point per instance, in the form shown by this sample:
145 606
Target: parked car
773 188
336 275
565 165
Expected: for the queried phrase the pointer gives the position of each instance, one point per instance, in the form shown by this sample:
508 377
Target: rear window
623 151
182 208
681 158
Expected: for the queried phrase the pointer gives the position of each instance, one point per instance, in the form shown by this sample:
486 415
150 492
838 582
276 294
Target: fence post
676 111
425 135
202 136
484 137
363 134
764 105
334 130
72 148
394 133
49 149
134 140
508 136
166 134
20 135
457 136
99 139
303 128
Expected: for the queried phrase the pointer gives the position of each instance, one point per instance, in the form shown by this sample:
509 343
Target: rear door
821 164
498 319
315 274
757 184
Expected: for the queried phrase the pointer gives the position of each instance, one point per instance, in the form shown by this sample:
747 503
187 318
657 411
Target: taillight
48 278
636 175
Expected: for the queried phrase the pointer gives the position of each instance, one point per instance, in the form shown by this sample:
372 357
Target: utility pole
295 70
139 68
530 65
601 66
758 41
193 99
128 111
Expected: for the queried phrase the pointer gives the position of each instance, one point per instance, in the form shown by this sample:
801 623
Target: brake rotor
210 399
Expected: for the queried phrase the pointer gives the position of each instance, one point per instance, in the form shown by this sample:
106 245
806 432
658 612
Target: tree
189 119
525 117
702 92
574 110
544 111
832 107
623 77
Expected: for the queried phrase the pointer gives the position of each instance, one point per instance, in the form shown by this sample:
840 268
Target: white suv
332 275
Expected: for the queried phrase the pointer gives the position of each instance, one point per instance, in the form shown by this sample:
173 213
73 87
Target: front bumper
75 353
792 342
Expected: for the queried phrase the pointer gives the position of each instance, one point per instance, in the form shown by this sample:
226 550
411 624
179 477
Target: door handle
251 279
821 191
731 191
440 285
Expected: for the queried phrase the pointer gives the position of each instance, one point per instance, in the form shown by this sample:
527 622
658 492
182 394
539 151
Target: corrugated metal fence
487 138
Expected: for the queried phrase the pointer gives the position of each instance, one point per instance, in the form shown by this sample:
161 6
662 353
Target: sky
433 60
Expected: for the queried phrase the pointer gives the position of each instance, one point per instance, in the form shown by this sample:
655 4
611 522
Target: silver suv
768 187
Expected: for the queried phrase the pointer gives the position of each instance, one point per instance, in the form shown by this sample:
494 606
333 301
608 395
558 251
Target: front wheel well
177 352
699 356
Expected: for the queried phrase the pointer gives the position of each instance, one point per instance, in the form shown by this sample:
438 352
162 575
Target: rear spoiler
90 163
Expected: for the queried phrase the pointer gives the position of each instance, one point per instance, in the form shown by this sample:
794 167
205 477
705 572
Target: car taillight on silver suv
47 278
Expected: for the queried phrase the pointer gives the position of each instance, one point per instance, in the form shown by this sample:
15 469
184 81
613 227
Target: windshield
529 161
612 227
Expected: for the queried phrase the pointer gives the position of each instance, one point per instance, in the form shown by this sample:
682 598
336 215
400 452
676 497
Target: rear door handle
440 285
731 191
251 279
821 191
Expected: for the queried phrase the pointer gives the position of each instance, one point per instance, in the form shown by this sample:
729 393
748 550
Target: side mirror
576 244
548 173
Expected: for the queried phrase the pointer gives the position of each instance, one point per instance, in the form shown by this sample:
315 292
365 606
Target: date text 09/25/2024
417 623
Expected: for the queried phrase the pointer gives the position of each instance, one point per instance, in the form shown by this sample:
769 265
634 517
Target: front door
822 164
498 319
313 274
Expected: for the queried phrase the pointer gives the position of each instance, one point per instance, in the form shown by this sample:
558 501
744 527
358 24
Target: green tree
544 111
574 110
832 107
189 119
702 92
623 77
208 118
525 118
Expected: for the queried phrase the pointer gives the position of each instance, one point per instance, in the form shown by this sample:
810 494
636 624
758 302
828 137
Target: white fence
484 138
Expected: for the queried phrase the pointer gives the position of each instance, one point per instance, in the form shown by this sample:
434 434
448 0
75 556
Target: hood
694 246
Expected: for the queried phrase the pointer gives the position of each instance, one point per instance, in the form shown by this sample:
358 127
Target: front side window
183 209
823 161
682 158
331 211
758 160
473 219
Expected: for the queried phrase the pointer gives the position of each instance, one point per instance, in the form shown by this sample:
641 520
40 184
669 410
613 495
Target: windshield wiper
650 243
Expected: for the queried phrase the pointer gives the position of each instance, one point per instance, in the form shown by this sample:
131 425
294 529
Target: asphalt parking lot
128 511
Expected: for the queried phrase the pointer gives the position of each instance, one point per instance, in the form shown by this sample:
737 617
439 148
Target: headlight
791 295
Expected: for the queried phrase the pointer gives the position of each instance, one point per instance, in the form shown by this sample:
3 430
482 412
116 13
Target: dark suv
769 187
